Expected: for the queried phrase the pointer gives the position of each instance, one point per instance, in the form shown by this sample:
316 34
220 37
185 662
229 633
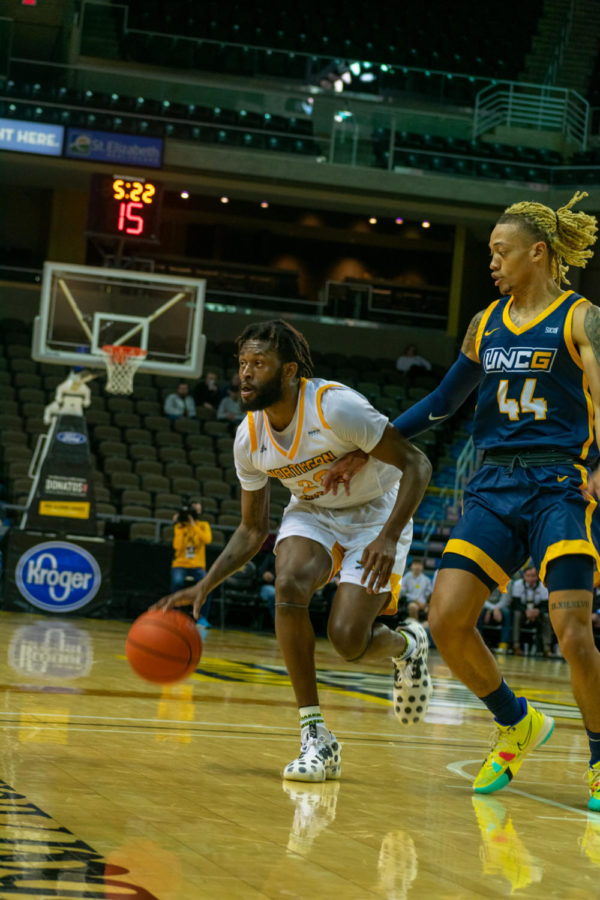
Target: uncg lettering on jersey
518 359
295 469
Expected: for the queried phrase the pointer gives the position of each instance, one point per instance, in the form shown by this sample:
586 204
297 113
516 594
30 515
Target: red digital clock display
124 207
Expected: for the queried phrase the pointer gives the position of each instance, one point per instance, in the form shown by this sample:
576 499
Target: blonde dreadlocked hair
567 234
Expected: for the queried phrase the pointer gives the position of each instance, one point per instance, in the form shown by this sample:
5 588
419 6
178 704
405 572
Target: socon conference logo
58 576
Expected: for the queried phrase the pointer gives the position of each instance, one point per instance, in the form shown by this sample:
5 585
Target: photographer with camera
190 538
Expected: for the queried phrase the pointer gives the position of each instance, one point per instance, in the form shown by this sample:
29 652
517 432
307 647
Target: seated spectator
266 574
234 382
416 590
496 610
207 392
530 605
410 359
180 403
230 407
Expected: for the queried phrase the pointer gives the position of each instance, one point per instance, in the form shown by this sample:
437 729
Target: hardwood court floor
115 788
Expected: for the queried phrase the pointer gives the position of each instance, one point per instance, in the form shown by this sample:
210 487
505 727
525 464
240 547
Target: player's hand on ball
193 596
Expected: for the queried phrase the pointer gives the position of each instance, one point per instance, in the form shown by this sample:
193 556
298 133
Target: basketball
163 647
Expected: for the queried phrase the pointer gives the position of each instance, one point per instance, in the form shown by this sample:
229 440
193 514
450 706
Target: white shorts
345 533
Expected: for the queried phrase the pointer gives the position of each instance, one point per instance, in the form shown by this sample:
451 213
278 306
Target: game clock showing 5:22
125 207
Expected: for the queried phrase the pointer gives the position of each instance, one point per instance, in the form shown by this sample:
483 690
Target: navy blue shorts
538 512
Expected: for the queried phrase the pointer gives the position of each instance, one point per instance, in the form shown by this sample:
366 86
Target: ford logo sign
71 437
58 576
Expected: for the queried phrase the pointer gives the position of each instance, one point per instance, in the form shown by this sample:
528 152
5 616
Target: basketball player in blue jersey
535 355
296 427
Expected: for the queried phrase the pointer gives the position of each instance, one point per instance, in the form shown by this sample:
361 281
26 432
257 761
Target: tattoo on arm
591 324
570 604
468 345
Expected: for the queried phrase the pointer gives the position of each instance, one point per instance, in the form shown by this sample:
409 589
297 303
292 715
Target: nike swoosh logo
436 418
487 333
522 744
561 477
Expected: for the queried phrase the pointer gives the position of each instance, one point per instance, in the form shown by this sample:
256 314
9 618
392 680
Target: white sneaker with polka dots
320 759
412 681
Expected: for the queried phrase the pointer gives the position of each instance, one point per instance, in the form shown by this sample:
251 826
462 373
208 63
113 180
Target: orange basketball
163 646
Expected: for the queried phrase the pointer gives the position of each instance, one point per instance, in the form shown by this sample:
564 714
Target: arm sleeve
459 381
352 418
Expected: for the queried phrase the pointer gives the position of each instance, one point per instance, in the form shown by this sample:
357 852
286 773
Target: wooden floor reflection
115 788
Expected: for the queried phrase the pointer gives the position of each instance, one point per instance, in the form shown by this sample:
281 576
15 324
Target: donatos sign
58 576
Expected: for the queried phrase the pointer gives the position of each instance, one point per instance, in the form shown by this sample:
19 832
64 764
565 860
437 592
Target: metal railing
465 466
540 107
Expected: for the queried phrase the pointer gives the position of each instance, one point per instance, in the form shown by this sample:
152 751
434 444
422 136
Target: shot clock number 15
124 207
132 195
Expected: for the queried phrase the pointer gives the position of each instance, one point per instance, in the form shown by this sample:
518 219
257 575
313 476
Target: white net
121 365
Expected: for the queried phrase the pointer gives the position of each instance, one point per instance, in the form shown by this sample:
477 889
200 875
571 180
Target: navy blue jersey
534 393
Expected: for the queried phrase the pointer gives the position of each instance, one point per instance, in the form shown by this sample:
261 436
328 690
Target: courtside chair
157 423
202 457
156 484
126 420
185 425
172 454
184 486
142 531
148 467
97 417
10 423
167 500
208 473
148 407
178 470
106 433
140 512
133 496
168 439
199 442
216 489
142 451
138 436
123 481
166 513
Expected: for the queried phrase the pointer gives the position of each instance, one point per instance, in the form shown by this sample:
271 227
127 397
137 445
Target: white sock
411 645
312 723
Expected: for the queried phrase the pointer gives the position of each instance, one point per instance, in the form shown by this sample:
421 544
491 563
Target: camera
185 512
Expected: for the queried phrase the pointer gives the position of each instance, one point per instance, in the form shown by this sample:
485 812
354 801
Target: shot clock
124 207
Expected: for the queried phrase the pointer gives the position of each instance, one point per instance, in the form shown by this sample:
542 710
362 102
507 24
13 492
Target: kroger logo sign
58 576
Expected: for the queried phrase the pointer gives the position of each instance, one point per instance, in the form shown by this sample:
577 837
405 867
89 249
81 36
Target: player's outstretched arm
244 543
378 557
458 382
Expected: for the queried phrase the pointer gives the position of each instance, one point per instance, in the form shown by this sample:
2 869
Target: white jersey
330 420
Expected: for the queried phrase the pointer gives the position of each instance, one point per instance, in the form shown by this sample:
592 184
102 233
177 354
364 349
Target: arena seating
145 464
402 38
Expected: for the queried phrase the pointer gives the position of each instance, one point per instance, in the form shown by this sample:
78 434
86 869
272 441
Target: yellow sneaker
590 842
511 744
594 782
502 851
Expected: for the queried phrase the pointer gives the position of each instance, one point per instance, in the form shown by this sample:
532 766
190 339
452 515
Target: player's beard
266 395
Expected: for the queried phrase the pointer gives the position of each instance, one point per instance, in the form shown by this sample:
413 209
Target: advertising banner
57 576
31 137
107 146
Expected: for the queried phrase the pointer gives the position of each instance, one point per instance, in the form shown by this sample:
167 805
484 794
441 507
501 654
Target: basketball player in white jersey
296 427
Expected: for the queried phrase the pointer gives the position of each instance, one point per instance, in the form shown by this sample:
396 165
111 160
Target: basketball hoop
121 365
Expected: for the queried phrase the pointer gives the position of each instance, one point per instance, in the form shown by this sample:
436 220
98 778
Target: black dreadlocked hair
289 343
